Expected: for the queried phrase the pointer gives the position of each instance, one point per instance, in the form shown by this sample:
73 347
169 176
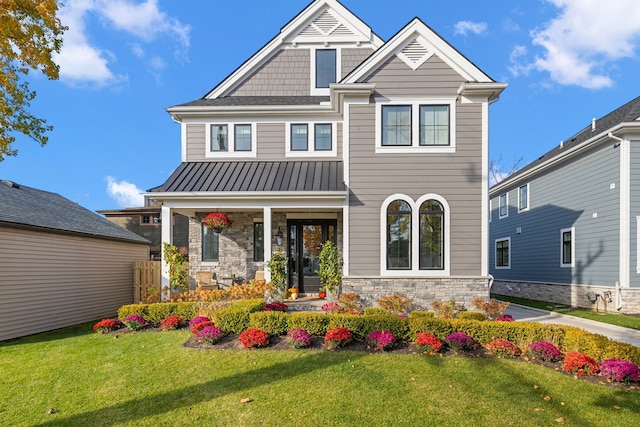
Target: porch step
305 304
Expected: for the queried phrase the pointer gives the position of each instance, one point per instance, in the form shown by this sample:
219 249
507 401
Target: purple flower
299 337
460 341
505 318
209 334
381 340
545 351
199 319
620 370
135 322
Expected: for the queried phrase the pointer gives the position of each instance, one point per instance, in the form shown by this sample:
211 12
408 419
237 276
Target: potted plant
217 221
330 270
322 294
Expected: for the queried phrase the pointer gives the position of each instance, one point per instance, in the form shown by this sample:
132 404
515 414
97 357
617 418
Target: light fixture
279 237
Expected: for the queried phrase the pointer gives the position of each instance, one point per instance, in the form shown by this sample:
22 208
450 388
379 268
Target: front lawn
150 379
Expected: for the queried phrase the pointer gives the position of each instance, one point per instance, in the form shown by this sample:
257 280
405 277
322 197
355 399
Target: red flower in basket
217 221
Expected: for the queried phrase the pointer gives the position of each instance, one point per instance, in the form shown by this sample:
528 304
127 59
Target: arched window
399 235
431 247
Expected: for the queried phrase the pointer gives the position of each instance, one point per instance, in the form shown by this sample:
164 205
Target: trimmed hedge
273 322
472 315
398 326
314 323
597 346
236 317
369 311
157 312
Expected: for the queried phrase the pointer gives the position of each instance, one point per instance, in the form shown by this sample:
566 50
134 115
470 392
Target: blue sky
125 61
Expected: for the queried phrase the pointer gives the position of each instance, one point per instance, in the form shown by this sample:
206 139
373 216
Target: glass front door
305 240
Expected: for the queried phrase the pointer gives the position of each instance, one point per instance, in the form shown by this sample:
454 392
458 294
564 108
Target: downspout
618 296
624 209
491 279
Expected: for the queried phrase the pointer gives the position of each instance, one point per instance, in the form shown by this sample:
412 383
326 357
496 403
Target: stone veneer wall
570 295
422 291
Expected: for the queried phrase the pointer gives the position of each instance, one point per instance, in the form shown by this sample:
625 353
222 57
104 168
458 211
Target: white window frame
231 134
311 135
415 146
571 230
519 198
495 253
323 91
415 270
506 205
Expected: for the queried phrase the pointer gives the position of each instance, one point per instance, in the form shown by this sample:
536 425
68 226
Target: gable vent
415 54
324 25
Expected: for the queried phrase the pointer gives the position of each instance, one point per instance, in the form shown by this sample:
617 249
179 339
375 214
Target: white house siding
50 280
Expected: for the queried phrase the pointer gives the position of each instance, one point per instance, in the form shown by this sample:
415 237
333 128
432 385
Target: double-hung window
322 136
311 139
503 253
242 137
415 126
219 138
231 140
299 137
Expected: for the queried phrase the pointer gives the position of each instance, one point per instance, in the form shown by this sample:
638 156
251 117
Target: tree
30 32
499 170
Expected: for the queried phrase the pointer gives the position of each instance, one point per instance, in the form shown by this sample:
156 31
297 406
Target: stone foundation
423 291
571 295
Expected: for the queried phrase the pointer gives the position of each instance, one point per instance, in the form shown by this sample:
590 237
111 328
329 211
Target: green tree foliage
277 265
330 270
30 33
178 275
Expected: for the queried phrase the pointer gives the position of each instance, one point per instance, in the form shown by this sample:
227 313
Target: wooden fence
147 281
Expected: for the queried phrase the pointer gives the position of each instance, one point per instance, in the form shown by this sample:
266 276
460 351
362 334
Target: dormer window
219 138
325 67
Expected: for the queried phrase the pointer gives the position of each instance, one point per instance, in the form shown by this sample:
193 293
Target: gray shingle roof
629 112
256 100
23 205
255 176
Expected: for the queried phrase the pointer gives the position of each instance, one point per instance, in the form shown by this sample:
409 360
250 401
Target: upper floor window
325 67
523 198
503 205
311 139
415 126
231 140
434 125
567 247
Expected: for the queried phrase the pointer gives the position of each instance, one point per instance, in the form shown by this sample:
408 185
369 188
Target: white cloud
82 60
581 43
464 27
125 194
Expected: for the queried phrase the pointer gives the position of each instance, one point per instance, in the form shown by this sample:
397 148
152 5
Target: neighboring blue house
565 228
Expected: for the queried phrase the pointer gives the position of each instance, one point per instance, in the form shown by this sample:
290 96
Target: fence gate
147 281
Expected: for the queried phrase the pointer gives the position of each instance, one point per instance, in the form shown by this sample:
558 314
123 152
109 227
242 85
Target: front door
305 240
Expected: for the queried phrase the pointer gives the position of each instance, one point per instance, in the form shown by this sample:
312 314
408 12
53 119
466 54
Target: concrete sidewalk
616 333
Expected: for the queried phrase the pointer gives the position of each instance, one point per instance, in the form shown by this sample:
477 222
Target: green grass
150 379
624 320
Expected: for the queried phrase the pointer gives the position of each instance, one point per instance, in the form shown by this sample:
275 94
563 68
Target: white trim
571 230
415 270
638 245
311 133
486 203
231 152
346 240
183 142
312 215
167 237
323 91
506 204
495 253
625 213
415 146
266 213
519 194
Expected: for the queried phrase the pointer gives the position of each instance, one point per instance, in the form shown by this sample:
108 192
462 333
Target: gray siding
566 196
456 177
635 211
196 142
287 73
351 58
50 281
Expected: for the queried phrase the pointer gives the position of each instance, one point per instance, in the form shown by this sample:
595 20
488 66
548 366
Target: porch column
267 240
167 236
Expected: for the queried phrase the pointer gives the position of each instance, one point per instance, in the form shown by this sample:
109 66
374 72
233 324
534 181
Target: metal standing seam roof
629 112
255 176
26 206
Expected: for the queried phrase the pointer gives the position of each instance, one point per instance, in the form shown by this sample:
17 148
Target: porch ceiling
255 176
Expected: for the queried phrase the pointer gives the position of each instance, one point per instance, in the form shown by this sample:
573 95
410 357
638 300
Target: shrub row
156 313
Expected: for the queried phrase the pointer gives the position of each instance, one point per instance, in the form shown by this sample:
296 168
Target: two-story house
329 132
565 228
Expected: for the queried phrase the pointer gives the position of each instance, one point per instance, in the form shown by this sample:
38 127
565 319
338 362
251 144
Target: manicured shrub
199 326
209 334
580 364
273 322
398 326
314 323
235 318
472 315
421 314
337 337
460 341
133 309
254 338
198 319
428 342
299 338
370 311
135 322
545 351
355 324
157 312
275 306
107 325
380 340
171 322
597 346
620 370
396 304
503 348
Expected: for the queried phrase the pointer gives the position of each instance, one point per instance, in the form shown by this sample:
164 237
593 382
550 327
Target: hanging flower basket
217 221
